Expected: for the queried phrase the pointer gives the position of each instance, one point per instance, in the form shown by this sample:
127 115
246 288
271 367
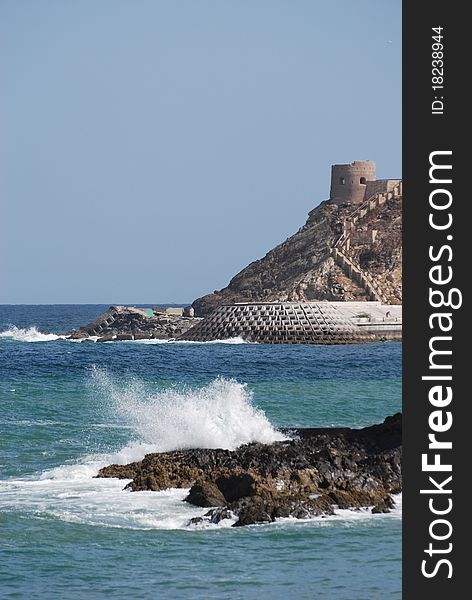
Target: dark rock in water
252 513
307 475
205 494
122 337
384 506
77 335
196 521
213 516
313 507
219 514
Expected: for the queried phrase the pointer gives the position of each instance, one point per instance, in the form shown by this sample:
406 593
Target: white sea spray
29 334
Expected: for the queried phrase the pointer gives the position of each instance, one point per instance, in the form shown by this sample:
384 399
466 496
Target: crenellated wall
380 186
341 250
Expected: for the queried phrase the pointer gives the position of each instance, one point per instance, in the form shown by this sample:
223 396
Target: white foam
361 514
71 493
31 334
218 415
234 340
350 517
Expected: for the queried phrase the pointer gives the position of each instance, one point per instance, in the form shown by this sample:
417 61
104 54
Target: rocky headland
303 268
311 473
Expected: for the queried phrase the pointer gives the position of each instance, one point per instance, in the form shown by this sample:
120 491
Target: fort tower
348 182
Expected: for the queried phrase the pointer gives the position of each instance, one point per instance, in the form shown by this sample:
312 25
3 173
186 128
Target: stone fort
355 182
359 220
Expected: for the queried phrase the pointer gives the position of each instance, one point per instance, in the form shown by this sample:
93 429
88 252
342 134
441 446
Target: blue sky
152 149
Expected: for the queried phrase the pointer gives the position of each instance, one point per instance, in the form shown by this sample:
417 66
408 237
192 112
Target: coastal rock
215 515
78 335
236 485
205 494
357 498
309 474
384 506
120 471
253 512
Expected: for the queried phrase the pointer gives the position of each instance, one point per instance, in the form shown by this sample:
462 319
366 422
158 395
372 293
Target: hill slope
303 268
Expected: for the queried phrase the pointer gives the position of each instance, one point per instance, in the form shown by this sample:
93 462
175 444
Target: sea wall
279 323
301 323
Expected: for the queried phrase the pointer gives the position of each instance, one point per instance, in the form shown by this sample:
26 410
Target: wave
235 340
30 334
218 415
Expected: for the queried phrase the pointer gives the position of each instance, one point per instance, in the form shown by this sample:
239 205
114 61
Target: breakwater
299 323
123 323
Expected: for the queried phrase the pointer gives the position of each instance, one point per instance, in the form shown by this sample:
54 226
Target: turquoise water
68 408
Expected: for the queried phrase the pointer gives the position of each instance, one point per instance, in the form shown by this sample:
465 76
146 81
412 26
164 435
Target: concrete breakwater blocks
124 323
284 323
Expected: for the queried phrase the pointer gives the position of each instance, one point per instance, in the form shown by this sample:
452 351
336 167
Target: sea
68 408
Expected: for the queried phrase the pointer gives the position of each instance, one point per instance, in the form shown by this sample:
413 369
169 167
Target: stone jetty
313 472
123 323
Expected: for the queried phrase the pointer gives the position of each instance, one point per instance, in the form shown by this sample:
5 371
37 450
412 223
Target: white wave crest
218 415
30 334
234 340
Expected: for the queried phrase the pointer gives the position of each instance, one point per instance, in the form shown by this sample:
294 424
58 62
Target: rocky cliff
302 268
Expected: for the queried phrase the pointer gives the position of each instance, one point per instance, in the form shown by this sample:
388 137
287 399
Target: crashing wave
30 334
218 415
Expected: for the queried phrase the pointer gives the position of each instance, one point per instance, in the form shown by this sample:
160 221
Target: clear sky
151 149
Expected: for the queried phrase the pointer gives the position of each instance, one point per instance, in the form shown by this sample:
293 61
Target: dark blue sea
68 408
